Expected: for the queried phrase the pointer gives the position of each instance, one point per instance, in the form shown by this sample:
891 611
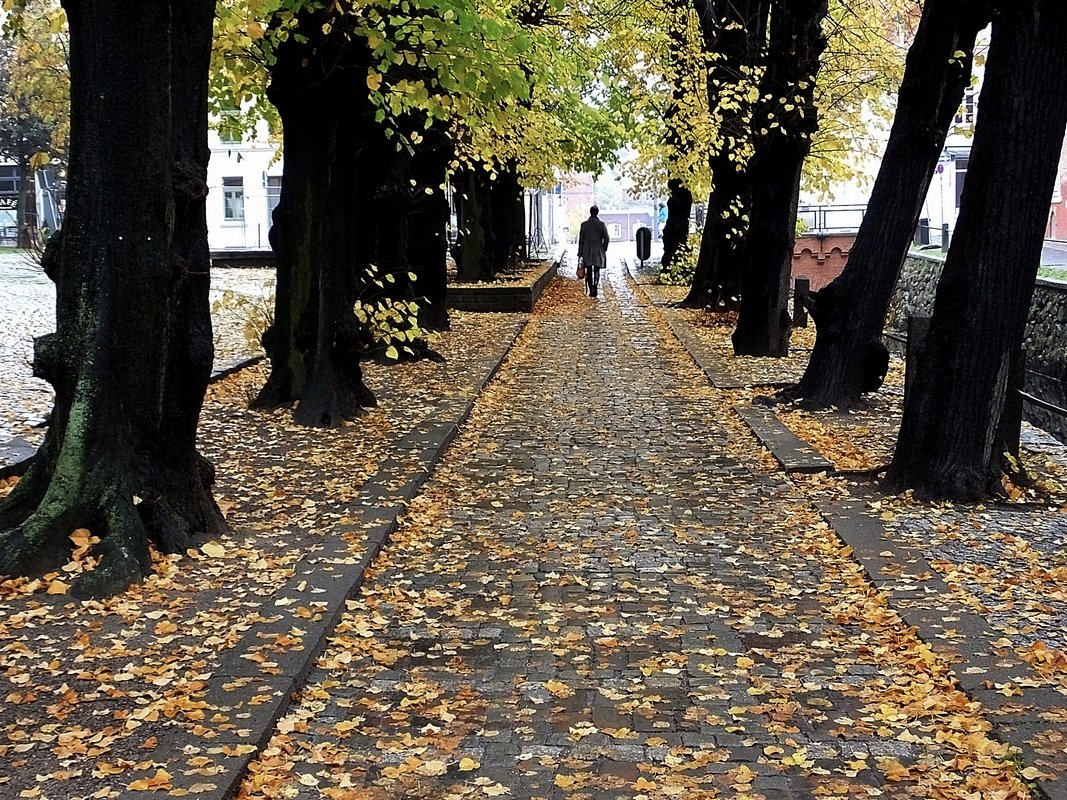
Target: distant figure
593 242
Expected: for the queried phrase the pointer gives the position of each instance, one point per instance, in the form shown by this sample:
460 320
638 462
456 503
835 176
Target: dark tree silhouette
132 352
316 343
786 118
734 34
849 358
951 443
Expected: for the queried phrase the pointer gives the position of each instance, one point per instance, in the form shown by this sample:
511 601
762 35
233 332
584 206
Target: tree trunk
733 34
785 120
676 228
950 438
128 356
316 342
849 357
507 216
427 242
474 262
26 213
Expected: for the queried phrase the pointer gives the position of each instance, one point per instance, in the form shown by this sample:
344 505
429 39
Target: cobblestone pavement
606 592
27 306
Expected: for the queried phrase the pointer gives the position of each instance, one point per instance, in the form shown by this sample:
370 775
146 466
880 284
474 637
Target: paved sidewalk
607 590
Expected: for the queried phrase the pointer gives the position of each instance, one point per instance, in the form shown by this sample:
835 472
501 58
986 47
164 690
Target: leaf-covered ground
90 690
1005 563
607 592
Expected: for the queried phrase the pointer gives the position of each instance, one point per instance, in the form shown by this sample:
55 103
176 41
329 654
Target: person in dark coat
593 242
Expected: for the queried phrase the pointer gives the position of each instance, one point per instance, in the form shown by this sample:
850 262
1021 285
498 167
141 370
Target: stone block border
239 688
977 668
792 452
506 297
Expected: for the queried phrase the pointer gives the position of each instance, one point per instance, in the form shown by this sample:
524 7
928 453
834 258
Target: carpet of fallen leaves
89 689
1006 562
599 595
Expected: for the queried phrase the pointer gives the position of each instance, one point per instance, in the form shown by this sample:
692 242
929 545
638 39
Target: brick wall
820 259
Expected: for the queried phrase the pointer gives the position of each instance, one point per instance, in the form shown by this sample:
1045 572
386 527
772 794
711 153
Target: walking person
592 249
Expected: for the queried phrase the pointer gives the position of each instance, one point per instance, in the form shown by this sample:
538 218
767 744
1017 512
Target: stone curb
507 298
254 684
792 452
864 535
886 563
788 449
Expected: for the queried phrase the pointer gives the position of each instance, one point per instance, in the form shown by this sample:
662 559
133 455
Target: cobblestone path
606 592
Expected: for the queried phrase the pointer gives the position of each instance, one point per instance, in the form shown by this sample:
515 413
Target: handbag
581 269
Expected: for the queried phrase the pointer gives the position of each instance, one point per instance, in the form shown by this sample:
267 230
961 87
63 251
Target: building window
233 198
965 116
9 180
274 193
229 128
961 176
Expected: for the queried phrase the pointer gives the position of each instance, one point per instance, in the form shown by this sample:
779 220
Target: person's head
594 211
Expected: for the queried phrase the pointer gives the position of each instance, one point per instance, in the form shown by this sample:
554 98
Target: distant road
1054 254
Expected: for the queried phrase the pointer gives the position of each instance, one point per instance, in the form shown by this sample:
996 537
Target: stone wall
1045 340
914 294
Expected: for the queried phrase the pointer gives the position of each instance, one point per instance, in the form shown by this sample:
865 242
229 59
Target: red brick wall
821 259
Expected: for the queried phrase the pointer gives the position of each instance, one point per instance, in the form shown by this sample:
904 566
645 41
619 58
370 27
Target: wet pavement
607 590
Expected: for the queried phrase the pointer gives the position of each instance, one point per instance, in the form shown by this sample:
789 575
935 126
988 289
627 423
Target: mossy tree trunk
951 444
132 351
849 357
316 343
785 120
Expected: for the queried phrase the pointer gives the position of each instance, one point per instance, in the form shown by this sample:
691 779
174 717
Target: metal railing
822 219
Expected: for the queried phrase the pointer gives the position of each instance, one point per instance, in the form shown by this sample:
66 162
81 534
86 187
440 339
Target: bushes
680 272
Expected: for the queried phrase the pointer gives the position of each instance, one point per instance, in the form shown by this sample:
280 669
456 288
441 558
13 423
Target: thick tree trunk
127 358
474 262
508 217
676 228
785 120
406 226
950 438
316 342
733 34
427 242
849 357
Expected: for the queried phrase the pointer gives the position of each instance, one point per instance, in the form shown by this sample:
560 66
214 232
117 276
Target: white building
245 183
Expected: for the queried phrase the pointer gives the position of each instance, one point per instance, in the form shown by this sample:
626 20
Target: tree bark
427 241
132 349
316 343
734 33
785 120
950 438
679 199
474 260
508 217
676 228
849 358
